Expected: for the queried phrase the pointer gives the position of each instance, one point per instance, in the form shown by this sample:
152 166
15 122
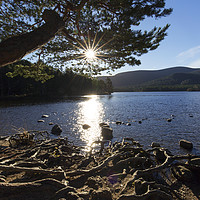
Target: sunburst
91 52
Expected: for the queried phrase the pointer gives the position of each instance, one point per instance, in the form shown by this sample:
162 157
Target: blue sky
182 45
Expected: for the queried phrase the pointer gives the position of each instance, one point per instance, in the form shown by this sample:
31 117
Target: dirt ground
56 169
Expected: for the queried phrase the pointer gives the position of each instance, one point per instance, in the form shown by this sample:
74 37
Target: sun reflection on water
90 112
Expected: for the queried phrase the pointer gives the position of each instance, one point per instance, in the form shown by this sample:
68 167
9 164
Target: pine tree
58 31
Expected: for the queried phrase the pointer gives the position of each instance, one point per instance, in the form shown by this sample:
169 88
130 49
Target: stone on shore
103 124
186 144
40 120
45 116
118 122
107 133
155 144
85 126
56 130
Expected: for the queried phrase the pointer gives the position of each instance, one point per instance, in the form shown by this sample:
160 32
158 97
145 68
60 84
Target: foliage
39 71
109 86
61 83
111 25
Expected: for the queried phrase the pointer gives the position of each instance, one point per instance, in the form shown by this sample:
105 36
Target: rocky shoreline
32 166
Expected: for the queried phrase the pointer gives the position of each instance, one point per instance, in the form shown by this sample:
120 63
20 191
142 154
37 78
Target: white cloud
195 64
189 54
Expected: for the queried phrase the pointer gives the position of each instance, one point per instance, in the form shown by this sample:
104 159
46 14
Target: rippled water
152 108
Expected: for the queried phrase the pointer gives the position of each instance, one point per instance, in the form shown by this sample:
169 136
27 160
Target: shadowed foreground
35 167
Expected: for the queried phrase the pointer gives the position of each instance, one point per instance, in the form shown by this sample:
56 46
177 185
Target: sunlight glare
91 113
90 51
90 54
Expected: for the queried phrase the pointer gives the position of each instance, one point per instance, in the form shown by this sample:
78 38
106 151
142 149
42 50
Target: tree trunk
15 48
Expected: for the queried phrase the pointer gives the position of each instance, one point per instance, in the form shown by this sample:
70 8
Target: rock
128 124
139 122
106 126
50 123
186 144
155 144
56 130
191 115
118 122
160 155
40 120
104 194
169 120
85 126
107 133
45 116
103 124
182 173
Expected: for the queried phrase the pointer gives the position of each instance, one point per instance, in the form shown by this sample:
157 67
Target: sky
182 45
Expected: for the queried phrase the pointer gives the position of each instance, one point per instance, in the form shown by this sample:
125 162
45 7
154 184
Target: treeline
175 82
19 80
178 87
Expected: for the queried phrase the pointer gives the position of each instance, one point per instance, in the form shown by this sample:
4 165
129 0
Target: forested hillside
14 82
176 78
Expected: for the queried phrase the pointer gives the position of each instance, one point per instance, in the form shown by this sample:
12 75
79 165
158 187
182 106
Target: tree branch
70 6
15 48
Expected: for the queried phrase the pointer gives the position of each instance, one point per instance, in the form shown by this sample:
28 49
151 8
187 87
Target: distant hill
175 78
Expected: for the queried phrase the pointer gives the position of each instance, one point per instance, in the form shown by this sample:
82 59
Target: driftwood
123 170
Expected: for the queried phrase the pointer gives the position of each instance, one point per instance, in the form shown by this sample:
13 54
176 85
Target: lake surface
151 108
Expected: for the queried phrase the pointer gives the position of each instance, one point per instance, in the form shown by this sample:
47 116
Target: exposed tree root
56 169
152 194
42 189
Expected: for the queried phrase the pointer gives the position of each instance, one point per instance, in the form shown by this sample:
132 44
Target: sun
89 51
90 54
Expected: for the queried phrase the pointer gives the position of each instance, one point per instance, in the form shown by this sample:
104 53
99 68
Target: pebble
40 120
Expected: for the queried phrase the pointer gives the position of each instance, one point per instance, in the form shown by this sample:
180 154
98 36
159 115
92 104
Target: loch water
146 113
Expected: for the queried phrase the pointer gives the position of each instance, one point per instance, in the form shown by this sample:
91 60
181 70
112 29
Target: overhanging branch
15 48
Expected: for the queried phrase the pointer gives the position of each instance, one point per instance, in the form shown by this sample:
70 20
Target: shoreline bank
56 169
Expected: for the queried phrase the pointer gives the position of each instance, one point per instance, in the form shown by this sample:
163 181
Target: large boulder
186 144
107 133
56 130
